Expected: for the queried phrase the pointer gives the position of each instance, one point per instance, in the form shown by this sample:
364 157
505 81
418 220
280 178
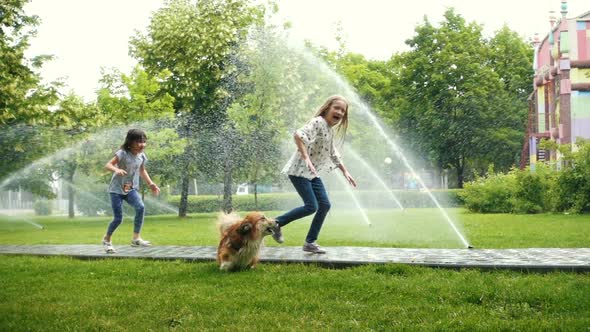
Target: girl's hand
155 189
311 167
350 179
120 172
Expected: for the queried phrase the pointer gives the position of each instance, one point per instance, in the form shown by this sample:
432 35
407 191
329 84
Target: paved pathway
567 259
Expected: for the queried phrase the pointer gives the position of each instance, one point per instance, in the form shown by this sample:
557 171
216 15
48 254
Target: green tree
194 42
511 58
23 99
455 108
137 97
261 116
25 134
75 119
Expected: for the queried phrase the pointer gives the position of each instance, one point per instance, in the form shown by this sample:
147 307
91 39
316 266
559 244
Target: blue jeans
134 199
315 199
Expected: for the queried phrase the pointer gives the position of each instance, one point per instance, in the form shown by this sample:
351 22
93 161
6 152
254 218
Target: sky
85 35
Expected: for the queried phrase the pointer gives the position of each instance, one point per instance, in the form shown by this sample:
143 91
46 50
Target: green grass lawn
412 228
60 293
50 294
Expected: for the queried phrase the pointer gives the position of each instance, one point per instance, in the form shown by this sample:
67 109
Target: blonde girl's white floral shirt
318 138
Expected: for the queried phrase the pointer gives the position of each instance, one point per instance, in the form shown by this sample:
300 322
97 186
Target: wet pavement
563 259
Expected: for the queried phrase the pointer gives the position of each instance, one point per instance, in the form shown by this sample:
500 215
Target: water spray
376 176
354 98
355 200
27 220
423 186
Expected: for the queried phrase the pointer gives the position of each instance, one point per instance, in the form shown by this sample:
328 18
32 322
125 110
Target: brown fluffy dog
241 239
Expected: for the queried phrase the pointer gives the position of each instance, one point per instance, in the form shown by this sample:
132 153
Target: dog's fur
241 239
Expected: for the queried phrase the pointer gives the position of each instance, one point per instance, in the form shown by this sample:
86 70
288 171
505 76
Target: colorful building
559 107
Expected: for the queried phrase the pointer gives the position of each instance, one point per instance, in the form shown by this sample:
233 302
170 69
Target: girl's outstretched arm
146 177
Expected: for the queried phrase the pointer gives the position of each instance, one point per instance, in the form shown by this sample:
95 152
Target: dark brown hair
133 135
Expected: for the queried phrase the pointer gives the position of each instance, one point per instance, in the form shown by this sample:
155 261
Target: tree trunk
71 170
460 170
71 192
227 181
256 196
438 175
256 188
182 208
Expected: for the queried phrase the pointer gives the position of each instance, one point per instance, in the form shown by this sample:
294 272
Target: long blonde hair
343 125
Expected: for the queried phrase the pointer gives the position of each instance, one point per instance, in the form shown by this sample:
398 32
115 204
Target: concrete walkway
566 259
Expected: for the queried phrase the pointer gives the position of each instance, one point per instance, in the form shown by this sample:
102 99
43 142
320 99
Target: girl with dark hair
127 166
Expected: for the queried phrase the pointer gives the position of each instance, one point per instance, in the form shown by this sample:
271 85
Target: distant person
315 154
127 166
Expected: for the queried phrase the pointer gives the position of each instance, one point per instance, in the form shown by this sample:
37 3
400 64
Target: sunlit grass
58 293
412 228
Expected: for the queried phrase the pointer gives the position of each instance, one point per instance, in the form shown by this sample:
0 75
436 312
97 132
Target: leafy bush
42 207
544 190
493 193
533 189
572 188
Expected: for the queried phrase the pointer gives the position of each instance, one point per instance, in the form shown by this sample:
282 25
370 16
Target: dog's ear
244 229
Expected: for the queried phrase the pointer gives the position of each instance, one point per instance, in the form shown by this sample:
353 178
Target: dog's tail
224 221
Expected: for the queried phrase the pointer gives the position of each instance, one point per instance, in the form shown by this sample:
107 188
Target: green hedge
283 201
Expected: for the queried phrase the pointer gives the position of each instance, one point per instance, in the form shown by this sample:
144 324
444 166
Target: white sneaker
140 243
108 247
277 234
313 248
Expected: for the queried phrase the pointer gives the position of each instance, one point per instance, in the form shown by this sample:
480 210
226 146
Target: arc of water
42 161
355 99
368 167
96 198
90 195
355 200
27 220
407 164
161 205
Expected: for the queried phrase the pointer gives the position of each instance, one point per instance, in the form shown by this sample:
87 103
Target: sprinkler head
469 247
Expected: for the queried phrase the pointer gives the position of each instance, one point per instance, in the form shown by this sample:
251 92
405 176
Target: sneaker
313 248
140 243
108 247
277 234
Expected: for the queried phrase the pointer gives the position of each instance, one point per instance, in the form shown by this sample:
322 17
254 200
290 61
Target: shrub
544 190
42 207
493 193
533 190
572 187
